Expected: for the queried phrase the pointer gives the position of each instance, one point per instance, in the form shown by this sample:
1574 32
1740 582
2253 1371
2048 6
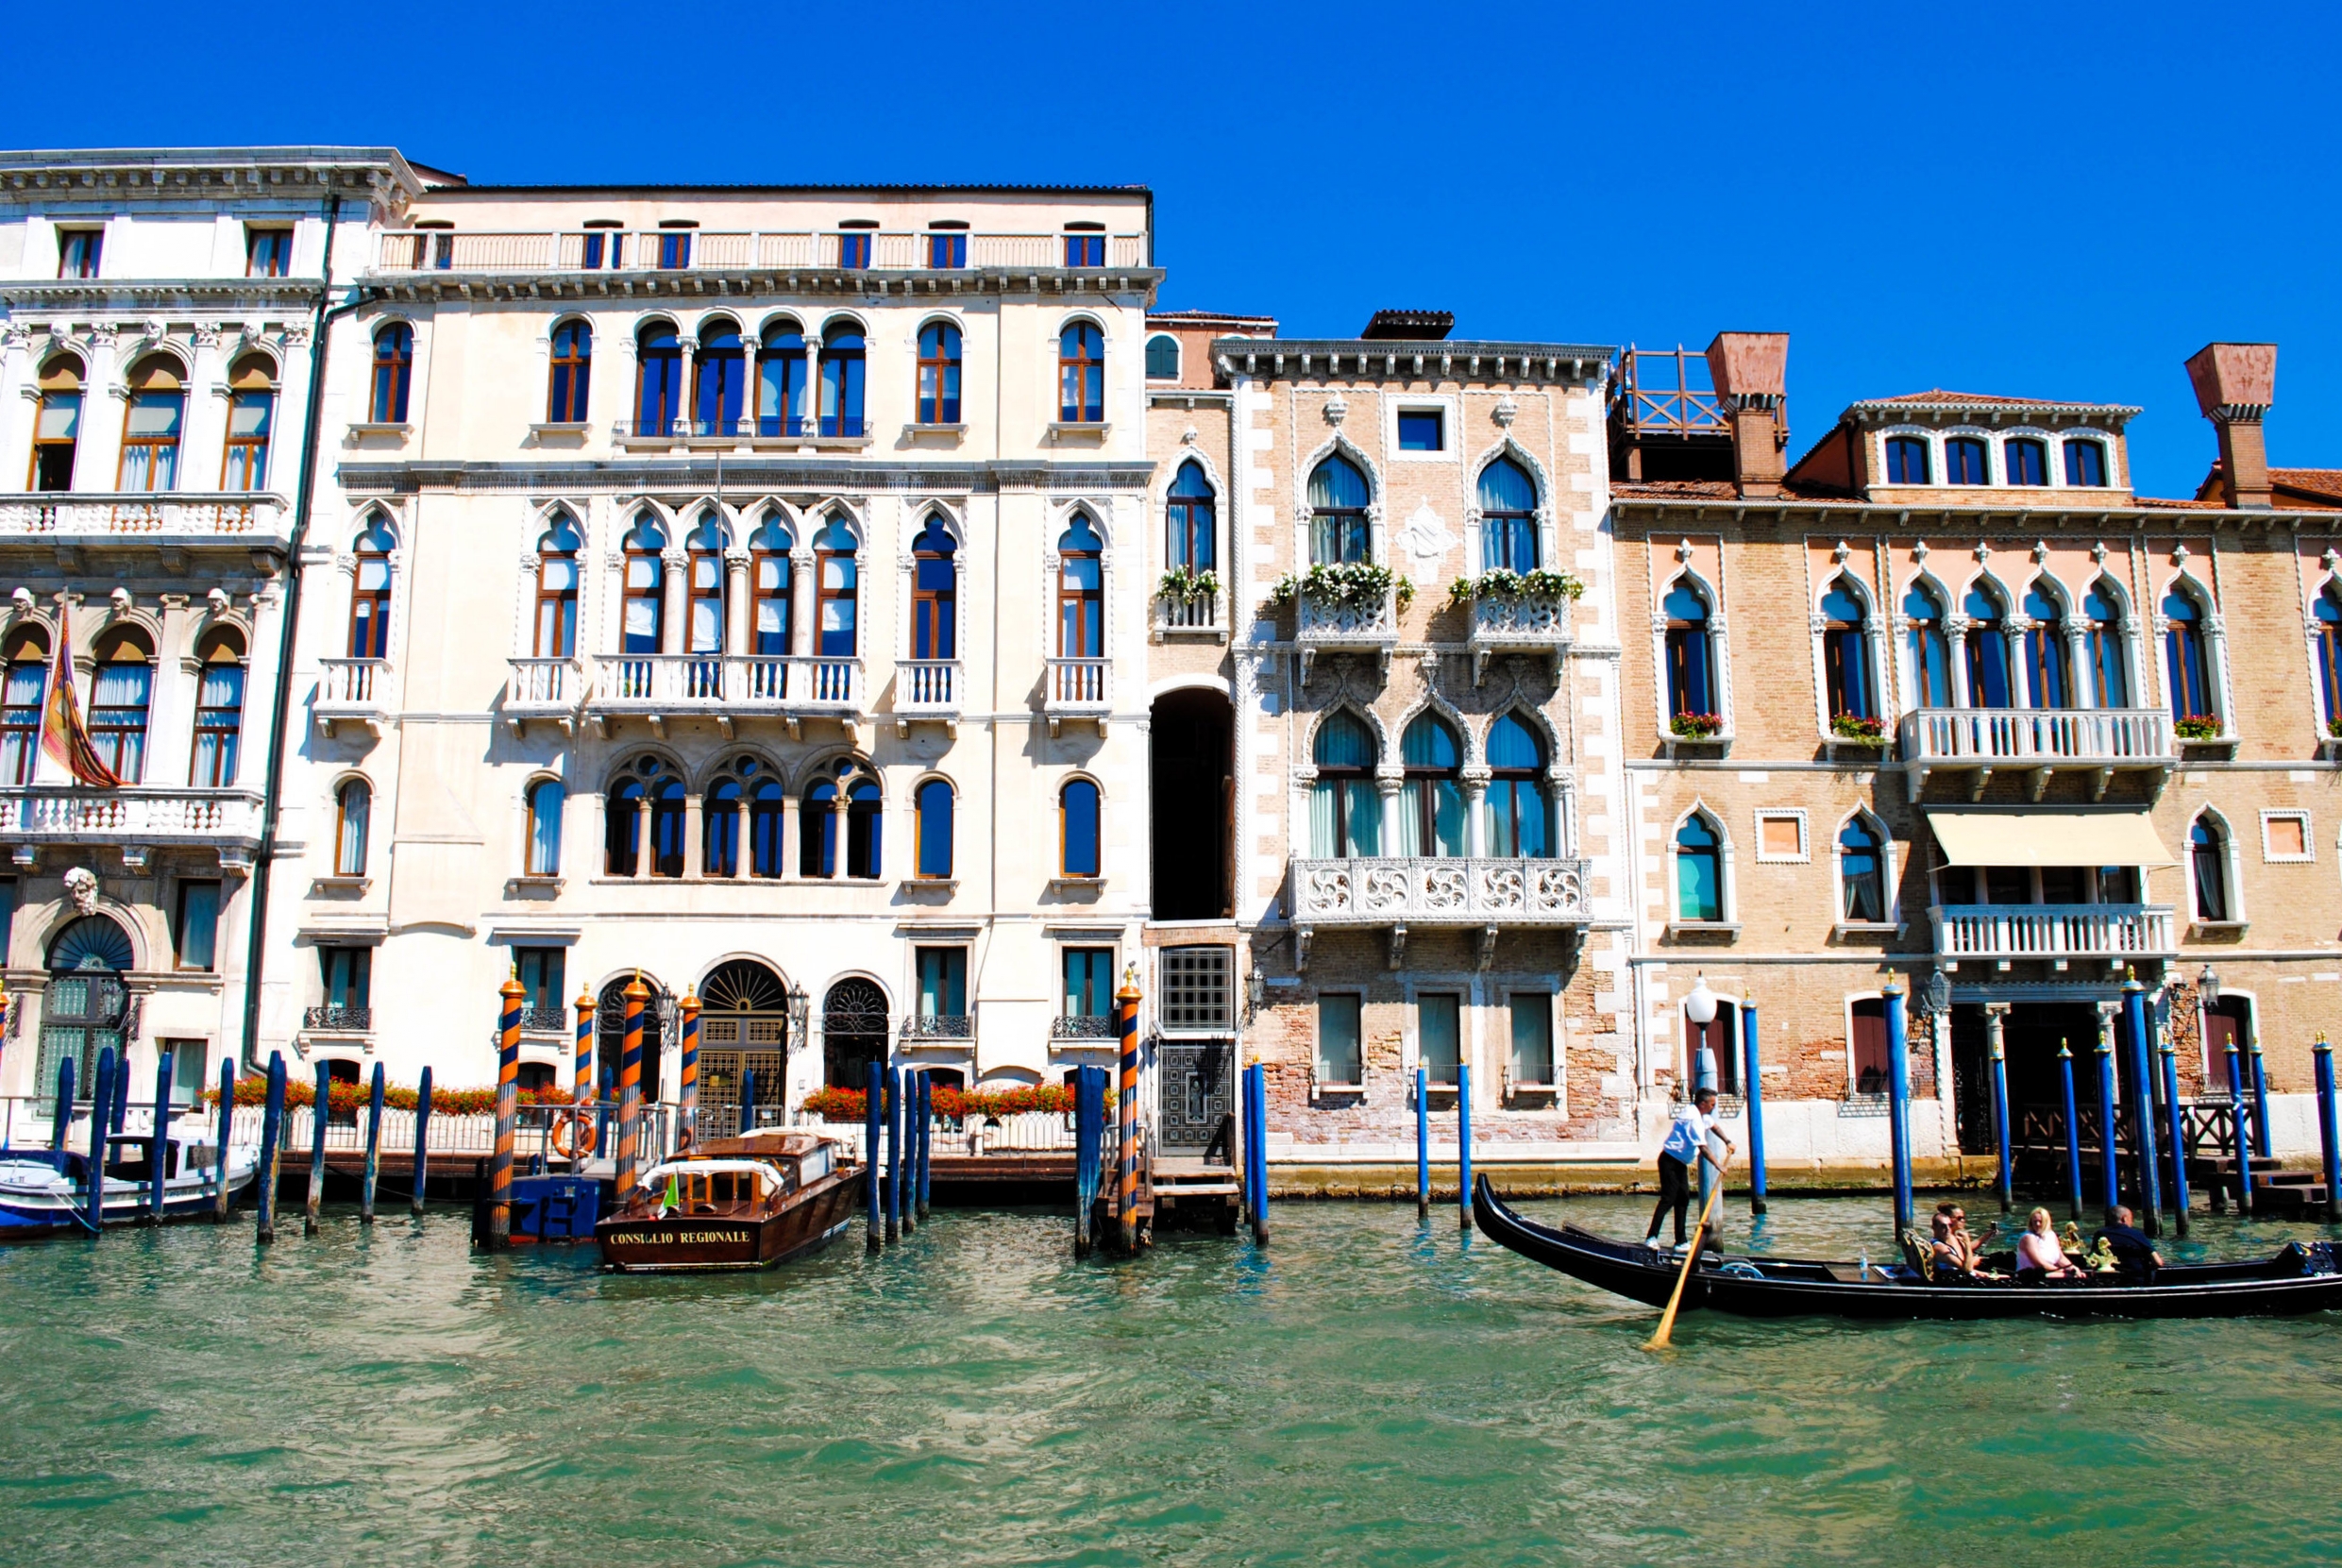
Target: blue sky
2047 201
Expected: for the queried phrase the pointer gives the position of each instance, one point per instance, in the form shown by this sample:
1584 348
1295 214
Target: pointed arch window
1862 873
817 823
1078 829
709 583
1988 651
2326 609
1345 810
1691 653
838 576
771 577
370 593
1081 591
1508 517
768 814
2207 859
666 827
557 589
119 698
935 593
843 353
2187 658
151 423
1520 812
393 373
219 712
643 616
1845 652
353 811
781 381
57 428
1338 521
939 373
1081 375
25 684
719 380
719 829
546 800
1431 798
2109 664
2048 678
658 379
251 418
863 822
573 365
1930 651
1192 539
934 828
1699 870
622 818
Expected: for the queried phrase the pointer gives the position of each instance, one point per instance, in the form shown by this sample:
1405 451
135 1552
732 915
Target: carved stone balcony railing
1078 688
551 690
1394 893
1527 624
183 520
338 1020
701 250
724 687
1325 627
939 1026
2100 741
353 691
2056 932
136 818
927 688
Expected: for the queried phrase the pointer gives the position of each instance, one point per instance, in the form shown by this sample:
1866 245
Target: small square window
1198 990
2285 837
1422 430
1780 836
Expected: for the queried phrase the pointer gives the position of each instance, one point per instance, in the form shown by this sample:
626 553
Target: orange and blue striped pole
1126 1193
689 1108
581 1131
507 1112
630 1084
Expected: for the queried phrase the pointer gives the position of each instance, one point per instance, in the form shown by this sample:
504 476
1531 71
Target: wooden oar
1667 1320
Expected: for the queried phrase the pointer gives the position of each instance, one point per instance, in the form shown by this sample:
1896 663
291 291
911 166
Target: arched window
770 575
2188 660
1964 461
938 374
2048 681
1861 875
1508 518
1081 592
393 373
643 618
573 364
766 814
2085 464
1988 651
2110 665
1845 652
1345 811
1431 800
816 831
863 851
546 798
1192 539
1338 526
370 592
842 356
1077 830
25 684
2028 461
705 546
1931 651
1162 357
719 829
251 419
151 422
219 712
2207 859
557 589
622 824
934 829
353 805
1691 653
935 593
57 428
1907 460
2327 610
118 703
85 1005
658 379
719 380
781 382
838 576
666 827
1081 375
1699 870
1520 813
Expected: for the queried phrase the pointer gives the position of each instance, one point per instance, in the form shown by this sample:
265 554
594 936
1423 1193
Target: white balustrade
1077 686
1201 614
2039 736
927 685
702 250
2051 930
544 688
236 517
1430 890
133 815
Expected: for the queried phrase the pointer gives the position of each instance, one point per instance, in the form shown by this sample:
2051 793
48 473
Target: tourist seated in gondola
1954 1254
2040 1256
2135 1257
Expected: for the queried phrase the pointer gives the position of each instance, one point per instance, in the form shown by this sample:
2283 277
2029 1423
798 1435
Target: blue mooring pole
272 1133
219 1155
1463 1144
1422 1145
1084 1160
2178 1128
926 1135
1994 1016
872 1199
2328 1127
318 1113
2073 1130
162 1138
1752 1056
1260 1154
2143 1101
423 1137
2109 1110
101 1116
61 1109
122 1092
2244 1139
373 1146
908 1175
2261 1145
1899 1102
894 1155
748 1101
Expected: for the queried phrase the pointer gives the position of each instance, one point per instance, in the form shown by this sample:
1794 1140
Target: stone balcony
2055 933
2037 742
1323 626
726 688
354 692
930 689
1079 689
1533 624
1394 893
551 691
250 521
136 820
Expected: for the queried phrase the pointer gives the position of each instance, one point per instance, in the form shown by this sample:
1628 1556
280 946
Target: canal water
1369 1390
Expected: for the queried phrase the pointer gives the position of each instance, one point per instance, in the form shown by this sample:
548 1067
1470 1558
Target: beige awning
2048 839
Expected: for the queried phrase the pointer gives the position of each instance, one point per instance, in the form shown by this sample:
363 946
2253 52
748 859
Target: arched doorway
744 1027
82 1011
609 1036
1194 805
853 1032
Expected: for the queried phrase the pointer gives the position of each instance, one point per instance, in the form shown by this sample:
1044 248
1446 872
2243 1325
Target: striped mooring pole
422 1138
689 1108
162 1134
630 1084
581 1093
314 1199
507 1112
374 1147
272 1136
1126 1112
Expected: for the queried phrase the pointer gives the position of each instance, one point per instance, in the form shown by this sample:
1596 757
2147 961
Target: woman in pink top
2038 1254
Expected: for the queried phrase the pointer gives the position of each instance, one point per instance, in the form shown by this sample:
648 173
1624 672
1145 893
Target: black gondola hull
2295 1280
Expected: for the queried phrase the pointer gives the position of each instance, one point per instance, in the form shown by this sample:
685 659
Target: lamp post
1700 1006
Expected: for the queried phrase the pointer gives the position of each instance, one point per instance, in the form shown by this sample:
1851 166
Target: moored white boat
44 1191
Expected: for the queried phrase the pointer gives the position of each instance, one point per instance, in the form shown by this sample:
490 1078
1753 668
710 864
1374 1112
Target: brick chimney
1750 371
2235 382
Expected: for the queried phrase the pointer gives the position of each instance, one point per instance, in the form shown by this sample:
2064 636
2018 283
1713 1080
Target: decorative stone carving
1426 538
81 886
1336 411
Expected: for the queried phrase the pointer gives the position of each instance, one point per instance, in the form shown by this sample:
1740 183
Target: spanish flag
62 735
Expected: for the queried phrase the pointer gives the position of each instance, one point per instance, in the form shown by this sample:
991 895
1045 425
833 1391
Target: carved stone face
81 886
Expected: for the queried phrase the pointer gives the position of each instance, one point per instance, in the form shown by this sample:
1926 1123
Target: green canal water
1371 1391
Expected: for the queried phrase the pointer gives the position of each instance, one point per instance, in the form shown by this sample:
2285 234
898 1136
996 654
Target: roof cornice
126 295
1374 359
208 174
1878 518
659 284
2104 415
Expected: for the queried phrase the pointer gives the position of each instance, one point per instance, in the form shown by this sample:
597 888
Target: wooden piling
1463 1145
162 1138
1260 1154
1995 1018
1126 1112
631 1084
894 1153
2178 1129
101 1119
374 1148
688 1109
910 1150
2328 1127
508 1108
1752 1056
272 1133
2244 1142
870 1198
61 1108
422 1138
926 1135
2142 1102
748 1100
121 1114
219 1155
313 1201
1422 1144
2109 1108
2261 1145
1898 1099
2073 1130
1089 1121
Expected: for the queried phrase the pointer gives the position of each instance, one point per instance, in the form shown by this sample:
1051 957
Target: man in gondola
2135 1257
1687 1140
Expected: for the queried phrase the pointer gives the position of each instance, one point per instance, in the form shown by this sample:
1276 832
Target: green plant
1696 726
2333 728
1348 584
1184 585
1856 727
2196 728
1505 583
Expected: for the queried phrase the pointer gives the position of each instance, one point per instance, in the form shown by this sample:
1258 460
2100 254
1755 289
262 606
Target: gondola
2296 1279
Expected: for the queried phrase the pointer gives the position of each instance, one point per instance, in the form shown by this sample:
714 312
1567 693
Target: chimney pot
2236 383
1751 375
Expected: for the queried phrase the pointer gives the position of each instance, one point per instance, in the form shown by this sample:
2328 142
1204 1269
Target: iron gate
1193 1092
719 1087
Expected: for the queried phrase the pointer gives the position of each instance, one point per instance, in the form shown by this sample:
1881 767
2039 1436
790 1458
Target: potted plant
1345 586
1501 582
2196 728
1696 726
1184 585
1859 729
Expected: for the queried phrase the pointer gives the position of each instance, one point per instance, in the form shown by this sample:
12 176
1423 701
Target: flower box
1696 726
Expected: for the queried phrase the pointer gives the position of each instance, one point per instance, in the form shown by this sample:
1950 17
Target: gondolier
1687 1139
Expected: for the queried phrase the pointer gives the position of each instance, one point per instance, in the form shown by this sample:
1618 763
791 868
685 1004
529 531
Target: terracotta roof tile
1939 396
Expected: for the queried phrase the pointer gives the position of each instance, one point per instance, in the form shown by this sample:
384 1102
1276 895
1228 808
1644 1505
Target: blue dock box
555 1209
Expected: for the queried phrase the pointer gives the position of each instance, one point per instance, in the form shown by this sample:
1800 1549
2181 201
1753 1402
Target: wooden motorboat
737 1203
2297 1278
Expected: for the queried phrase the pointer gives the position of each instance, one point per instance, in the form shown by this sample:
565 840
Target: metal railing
232 516
2051 930
703 250
1434 890
137 814
939 1026
1026 1133
2101 736
1082 1026
339 1020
